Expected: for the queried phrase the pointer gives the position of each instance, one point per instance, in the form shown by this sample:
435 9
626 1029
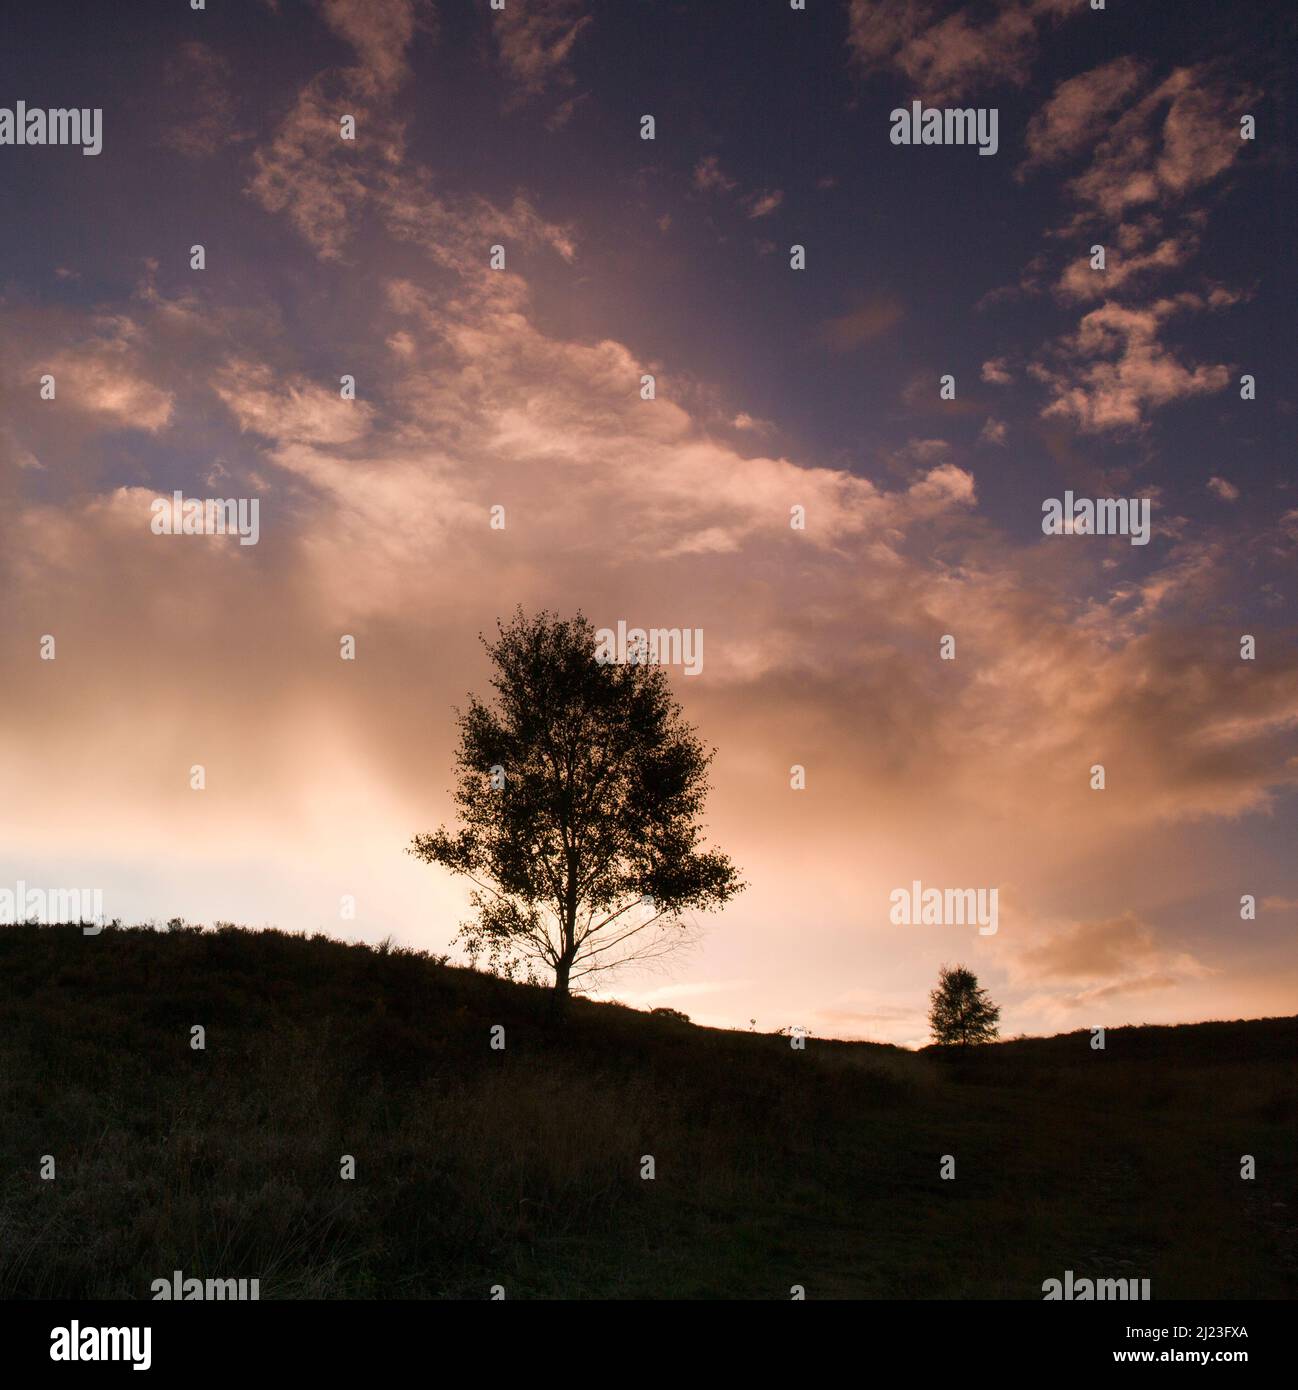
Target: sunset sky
776 388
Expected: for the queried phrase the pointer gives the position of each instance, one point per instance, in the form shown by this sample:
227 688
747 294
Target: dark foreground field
522 1168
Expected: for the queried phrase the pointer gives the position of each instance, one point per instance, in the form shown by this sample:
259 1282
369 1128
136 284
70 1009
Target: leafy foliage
960 1011
579 793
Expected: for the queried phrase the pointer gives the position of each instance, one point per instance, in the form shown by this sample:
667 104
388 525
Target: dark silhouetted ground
774 1167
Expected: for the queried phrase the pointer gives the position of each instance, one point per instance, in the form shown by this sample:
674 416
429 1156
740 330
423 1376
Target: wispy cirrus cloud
381 32
862 325
995 371
1138 197
1097 962
104 375
947 51
1115 368
535 42
199 82
1178 138
764 203
1066 125
710 177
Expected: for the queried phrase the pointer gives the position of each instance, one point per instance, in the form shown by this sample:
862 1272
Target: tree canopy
579 791
961 1012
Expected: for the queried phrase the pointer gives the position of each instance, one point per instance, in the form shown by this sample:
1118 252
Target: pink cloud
1114 368
946 54
535 41
1067 123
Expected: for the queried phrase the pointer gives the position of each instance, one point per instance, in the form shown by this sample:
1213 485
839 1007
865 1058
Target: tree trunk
561 972
568 939
559 997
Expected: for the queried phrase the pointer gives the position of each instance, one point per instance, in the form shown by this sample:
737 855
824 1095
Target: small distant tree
960 1011
579 793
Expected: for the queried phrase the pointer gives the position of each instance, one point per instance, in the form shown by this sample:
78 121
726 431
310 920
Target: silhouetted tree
960 1011
579 793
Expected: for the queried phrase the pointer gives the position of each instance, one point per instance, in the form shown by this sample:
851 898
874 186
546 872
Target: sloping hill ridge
522 1167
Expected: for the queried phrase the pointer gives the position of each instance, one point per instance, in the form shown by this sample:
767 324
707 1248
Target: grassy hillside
477 1167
